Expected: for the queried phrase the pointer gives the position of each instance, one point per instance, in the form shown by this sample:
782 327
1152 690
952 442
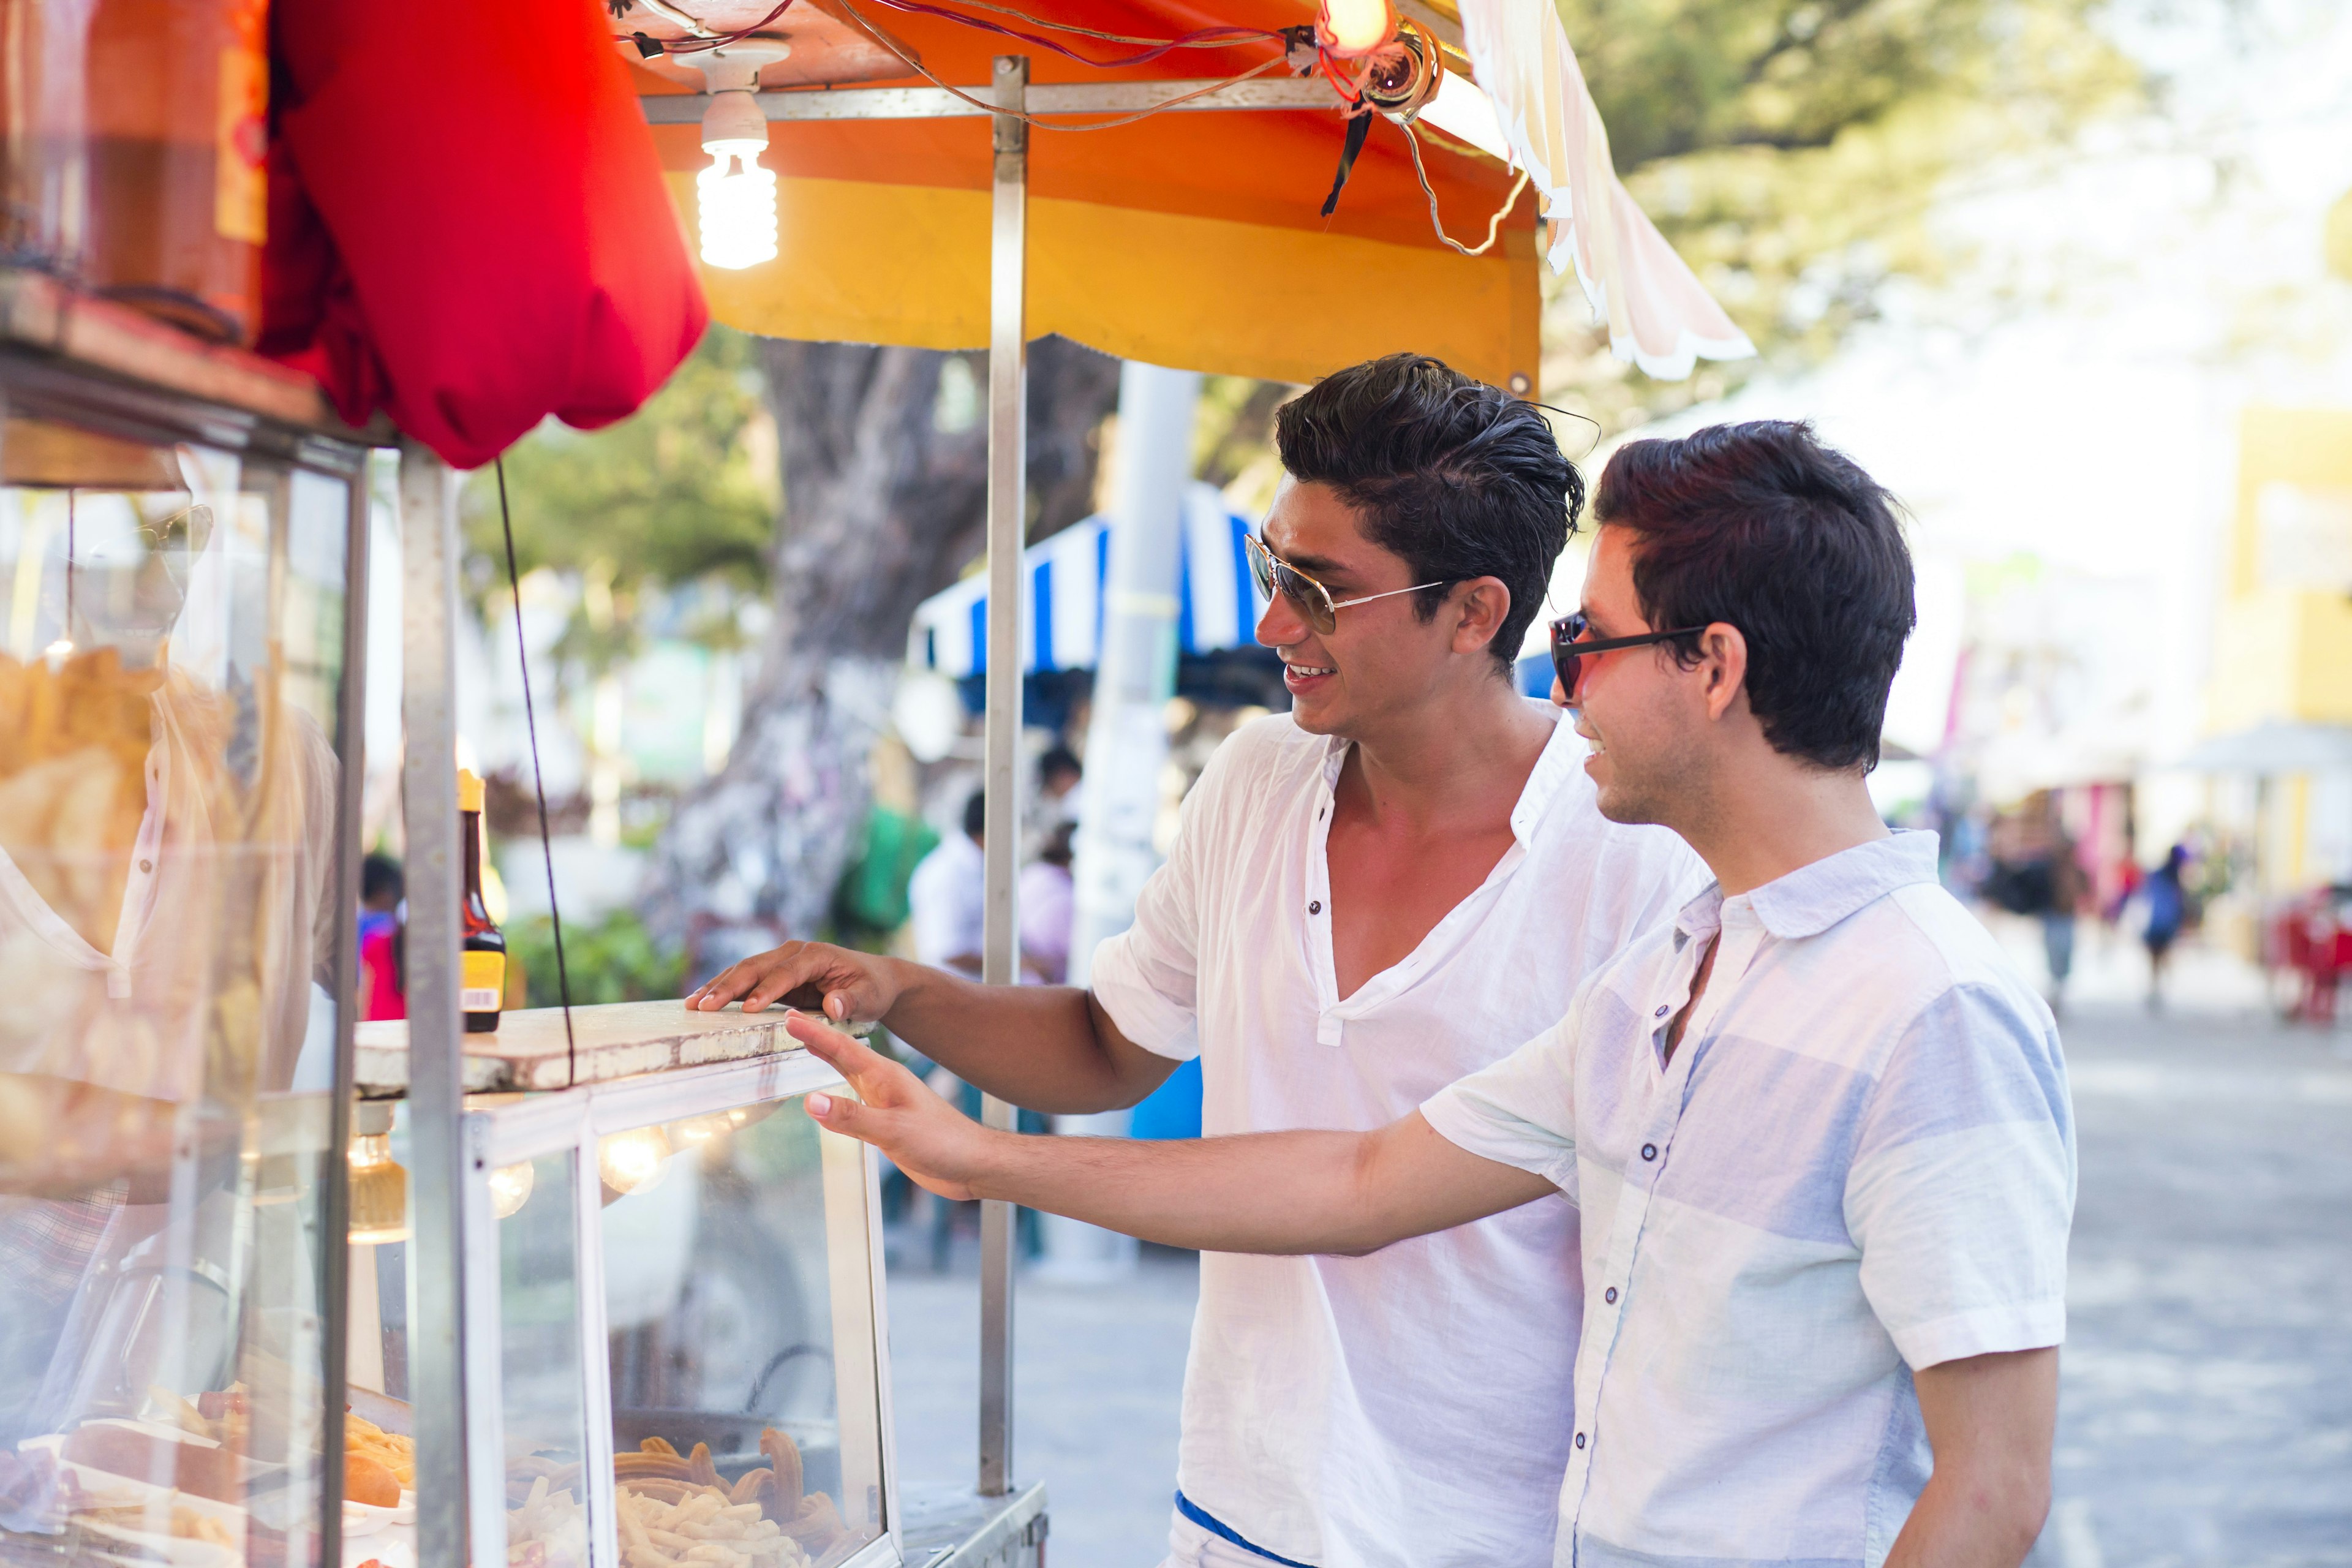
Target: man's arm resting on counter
1991 1420
1048 1047
1270 1192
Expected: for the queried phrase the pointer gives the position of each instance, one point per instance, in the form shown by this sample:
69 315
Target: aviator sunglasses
1310 598
1568 648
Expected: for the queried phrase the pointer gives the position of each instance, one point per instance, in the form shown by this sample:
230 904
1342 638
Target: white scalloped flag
1660 315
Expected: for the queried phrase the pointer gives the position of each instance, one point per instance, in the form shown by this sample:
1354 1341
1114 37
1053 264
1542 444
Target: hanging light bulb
1352 27
379 1182
626 1161
736 197
510 1188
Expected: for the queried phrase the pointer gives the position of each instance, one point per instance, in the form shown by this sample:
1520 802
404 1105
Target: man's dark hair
1060 760
379 877
1460 478
1762 526
975 813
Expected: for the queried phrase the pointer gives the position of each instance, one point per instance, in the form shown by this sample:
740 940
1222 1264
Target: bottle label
240 178
481 982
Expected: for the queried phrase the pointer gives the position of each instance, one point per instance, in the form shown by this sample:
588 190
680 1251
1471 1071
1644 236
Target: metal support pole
1008 447
428 791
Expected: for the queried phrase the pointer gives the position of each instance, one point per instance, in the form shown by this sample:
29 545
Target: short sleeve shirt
1858 1163
1350 1412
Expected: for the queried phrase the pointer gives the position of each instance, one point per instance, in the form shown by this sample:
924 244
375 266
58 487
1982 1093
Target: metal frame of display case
117 371
572 1121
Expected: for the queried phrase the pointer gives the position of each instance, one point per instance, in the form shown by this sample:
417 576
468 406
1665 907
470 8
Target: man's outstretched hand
936 1144
847 985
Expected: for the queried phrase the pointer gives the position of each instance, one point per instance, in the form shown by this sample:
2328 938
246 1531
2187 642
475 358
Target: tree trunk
883 508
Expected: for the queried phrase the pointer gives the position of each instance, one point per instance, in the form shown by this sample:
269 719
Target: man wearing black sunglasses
1370 896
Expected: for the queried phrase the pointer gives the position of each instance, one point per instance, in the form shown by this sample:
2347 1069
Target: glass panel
743 1363
168 934
540 1370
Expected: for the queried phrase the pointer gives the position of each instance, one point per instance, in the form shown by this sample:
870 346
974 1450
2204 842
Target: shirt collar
1812 899
1562 755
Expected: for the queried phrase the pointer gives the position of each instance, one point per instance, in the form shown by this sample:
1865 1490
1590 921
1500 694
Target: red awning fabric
469 229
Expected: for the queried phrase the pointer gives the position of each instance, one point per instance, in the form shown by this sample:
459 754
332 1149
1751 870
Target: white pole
1008 446
1127 742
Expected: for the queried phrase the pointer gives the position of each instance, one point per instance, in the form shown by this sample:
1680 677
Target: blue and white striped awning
1218 605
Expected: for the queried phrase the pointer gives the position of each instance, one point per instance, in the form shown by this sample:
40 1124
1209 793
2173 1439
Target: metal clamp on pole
428 790
1008 446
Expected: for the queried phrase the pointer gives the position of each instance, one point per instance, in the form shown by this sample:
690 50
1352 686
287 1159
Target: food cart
588 1291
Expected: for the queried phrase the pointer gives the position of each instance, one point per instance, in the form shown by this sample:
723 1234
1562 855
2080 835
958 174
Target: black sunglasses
1567 649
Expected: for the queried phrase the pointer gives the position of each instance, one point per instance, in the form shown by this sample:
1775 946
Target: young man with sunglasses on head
1817 1126
1369 897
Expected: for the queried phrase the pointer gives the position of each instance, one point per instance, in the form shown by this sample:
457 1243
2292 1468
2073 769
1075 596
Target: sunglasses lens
1564 635
1261 567
1306 594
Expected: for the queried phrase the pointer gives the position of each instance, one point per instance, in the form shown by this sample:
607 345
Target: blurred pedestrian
1049 906
946 898
2068 887
2168 911
382 887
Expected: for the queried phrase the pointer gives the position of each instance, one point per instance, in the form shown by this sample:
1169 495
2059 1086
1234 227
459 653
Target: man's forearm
1042 1047
1284 1192
1964 1521
1272 1192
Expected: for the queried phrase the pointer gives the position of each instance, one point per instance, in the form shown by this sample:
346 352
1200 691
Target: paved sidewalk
2206 1415
1098 1371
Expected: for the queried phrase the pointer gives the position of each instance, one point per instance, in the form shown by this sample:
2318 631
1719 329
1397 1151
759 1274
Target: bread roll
366 1481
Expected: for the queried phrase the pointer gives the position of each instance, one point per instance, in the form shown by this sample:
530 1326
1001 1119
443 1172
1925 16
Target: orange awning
1192 238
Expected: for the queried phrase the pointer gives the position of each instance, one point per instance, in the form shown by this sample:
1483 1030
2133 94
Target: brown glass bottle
482 979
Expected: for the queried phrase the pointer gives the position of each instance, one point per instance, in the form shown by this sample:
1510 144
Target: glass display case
251 1316
178 585
673 1350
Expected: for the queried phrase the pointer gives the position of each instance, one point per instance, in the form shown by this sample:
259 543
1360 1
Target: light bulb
737 199
510 1188
1356 26
695 1131
379 1190
628 1161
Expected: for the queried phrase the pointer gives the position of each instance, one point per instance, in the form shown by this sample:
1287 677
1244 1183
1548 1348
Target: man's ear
1723 662
1481 607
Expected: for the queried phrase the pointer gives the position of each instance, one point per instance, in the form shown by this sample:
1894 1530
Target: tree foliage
1791 151
685 488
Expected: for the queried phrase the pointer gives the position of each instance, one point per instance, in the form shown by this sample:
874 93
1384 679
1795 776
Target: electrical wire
707 41
1203 38
1493 225
1194 40
538 784
1026 119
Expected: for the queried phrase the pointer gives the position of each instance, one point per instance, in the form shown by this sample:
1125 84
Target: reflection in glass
744 1368
171 646
540 1373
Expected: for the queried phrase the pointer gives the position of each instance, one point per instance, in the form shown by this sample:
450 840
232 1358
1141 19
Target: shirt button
1649 1150
146 865
1579 1440
1611 1296
1316 908
1663 1011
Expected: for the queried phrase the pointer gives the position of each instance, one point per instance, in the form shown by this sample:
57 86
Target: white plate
366 1518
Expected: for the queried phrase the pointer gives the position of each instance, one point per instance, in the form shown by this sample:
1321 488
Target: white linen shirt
1860 1162
1401 1408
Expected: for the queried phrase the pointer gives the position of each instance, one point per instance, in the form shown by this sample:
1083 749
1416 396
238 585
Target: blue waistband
1223 1531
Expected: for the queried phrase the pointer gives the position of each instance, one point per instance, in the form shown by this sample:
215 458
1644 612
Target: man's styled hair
1762 526
1460 478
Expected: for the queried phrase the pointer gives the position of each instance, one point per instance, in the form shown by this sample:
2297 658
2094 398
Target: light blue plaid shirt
1859 1161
